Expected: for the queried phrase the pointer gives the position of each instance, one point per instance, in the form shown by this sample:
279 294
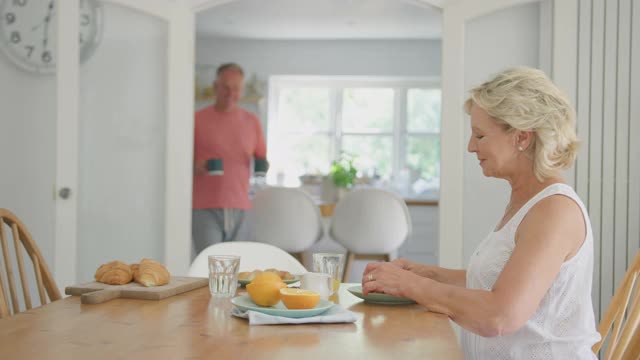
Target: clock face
28 32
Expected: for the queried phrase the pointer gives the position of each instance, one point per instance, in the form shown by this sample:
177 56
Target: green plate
378 298
245 282
244 303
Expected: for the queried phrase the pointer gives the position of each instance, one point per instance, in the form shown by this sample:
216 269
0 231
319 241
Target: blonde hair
524 98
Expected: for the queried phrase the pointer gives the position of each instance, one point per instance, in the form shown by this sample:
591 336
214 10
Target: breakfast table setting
310 316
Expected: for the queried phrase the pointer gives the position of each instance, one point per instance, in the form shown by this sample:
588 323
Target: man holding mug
226 139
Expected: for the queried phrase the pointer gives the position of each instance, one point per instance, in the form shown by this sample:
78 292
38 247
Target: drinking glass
319 282
332 264
223 275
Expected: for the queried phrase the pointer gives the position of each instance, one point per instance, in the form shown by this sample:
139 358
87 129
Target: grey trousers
212 226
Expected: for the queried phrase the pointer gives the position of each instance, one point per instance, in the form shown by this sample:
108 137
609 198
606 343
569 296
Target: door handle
64 192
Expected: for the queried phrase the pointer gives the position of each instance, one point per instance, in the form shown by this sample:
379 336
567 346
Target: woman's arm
552 232
439 274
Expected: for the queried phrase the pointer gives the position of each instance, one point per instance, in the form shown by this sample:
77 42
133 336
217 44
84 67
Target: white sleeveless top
563 326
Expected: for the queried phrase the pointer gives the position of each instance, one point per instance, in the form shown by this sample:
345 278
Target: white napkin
337 314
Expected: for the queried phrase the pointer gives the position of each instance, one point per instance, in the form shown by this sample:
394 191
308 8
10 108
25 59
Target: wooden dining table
194 325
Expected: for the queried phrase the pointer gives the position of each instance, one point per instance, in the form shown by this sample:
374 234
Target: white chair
287 218
371 223
253 256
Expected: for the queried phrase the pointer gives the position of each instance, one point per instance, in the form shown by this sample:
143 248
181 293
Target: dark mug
215 167
260 167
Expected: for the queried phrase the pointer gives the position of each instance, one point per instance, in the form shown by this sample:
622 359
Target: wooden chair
44 280
623 341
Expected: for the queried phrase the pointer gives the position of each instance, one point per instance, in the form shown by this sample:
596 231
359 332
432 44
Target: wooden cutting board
96 293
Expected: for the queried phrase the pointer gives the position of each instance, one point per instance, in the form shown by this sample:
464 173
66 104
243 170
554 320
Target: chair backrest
253 256
621 321
371 221
287 218
22 242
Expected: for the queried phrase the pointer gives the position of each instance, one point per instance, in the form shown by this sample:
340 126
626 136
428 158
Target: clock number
15 37
10 17
85 20
19 2
46 57
30 50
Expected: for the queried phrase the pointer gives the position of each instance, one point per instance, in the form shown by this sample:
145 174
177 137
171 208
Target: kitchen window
390 125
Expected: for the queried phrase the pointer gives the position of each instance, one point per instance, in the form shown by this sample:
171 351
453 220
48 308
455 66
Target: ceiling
321 19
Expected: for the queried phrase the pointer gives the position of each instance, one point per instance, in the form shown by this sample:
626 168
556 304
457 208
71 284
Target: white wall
122 147
27 145
513 38
607 170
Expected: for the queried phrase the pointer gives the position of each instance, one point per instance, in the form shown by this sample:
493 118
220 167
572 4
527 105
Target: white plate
244 303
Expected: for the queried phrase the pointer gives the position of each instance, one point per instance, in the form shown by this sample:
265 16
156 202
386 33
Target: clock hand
45 39
46 18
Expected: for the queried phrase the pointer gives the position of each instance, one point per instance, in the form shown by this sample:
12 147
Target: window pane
367 110
372 153
302 109
294 155
423 159
423 112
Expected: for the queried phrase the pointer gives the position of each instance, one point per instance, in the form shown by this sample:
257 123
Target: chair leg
347 267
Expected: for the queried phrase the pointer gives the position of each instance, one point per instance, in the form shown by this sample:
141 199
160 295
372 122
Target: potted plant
343 173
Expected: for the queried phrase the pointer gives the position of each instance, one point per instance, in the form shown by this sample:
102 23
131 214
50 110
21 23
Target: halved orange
296 299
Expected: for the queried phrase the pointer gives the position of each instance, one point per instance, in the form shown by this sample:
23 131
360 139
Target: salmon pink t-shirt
235 137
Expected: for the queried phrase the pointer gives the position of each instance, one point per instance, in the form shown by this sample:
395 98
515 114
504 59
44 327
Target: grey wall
324 57
493 42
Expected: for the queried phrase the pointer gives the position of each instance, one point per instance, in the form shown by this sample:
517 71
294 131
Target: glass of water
332 264
223 275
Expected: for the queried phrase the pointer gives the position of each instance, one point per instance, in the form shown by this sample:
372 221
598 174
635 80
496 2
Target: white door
124 143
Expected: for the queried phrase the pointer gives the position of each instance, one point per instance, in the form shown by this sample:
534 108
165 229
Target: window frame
336 86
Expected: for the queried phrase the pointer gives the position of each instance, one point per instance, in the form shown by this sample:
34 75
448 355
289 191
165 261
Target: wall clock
28 32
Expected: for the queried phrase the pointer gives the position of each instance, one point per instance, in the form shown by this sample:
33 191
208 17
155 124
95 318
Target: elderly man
226 137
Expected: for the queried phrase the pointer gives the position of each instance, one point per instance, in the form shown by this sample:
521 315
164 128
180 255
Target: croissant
152 273
114 273
134 269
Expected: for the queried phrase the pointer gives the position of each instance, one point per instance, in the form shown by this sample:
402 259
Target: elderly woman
526 293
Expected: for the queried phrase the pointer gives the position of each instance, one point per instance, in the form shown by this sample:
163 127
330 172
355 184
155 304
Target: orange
264 290
266 277
299 298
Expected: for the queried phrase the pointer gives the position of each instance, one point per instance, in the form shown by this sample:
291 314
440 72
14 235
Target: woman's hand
387 277
404 264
